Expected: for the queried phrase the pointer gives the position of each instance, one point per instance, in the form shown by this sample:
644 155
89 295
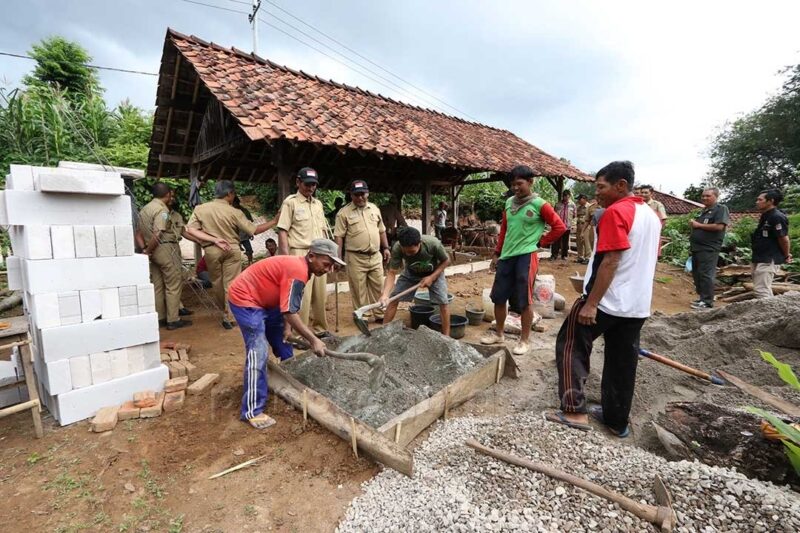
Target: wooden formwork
387 444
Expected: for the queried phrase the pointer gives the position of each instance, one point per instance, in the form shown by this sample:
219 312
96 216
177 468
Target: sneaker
702 305
521 348
492 338
178 324
184 312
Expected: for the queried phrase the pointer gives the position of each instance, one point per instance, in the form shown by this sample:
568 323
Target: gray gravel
458 489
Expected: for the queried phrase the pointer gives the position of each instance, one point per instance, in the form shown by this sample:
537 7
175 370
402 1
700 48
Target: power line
218 7
98 67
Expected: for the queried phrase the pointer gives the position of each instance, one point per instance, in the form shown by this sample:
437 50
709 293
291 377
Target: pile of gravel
458 489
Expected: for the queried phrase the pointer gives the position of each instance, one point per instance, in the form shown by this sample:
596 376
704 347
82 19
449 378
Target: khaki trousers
763 274
223 267
312 310
365 275
588 240
580 244
176 255
167 282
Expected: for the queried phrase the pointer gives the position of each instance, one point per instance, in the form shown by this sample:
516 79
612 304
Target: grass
250 511
663 279
33 458
150 484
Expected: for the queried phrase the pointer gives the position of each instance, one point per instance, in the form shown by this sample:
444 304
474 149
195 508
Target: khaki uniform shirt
177 225
590 209
155 217
303 220
580 214
360 227
220 219
659 209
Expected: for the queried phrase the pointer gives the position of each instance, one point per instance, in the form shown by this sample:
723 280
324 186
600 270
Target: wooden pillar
454 206
285 182
426 208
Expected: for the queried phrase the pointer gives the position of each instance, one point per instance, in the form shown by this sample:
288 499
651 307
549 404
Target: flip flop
596 412
262 421
558 417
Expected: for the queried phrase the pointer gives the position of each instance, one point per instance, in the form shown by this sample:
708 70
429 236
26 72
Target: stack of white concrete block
87 295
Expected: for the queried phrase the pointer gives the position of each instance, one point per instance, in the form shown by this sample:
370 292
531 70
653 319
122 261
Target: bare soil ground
151 475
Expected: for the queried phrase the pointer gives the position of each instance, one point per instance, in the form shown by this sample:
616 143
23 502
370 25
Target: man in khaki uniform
302 220
580 226
361 234
158 239
217 225
179 231
589 229
655 205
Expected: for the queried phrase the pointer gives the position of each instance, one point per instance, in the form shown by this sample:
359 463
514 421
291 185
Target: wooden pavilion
222 113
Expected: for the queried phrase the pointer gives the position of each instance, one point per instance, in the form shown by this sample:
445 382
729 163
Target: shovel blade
360 323
377 374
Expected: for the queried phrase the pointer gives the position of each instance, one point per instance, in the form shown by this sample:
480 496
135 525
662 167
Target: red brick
105 419
128 411
174 401
176 384
183 355
191 370
144 399
176 369
155 410
203 384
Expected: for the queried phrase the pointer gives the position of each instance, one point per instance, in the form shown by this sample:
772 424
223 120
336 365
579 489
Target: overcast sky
591 81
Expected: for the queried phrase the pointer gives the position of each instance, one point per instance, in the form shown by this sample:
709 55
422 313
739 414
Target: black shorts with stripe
513 281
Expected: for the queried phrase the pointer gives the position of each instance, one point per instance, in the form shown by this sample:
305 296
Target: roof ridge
253 57
679 198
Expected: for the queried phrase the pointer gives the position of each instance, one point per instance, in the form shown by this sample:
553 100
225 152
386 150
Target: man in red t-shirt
273 287
617 292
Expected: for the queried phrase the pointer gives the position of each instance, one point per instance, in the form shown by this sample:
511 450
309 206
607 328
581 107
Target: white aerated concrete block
3 210
28 207
58 377
91 305
80 371
146 295
44 309
128 295
14 272
69 308
99 336
84 183
136 359
123 235
83 403
63 240
20 178
31 242
110 303
61 275
119 363
151 354
106 241
101 367
128 310
85 245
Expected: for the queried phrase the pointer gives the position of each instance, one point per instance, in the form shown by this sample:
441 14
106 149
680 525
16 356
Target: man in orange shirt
273 288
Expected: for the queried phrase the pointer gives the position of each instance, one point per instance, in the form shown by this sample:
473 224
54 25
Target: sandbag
544 289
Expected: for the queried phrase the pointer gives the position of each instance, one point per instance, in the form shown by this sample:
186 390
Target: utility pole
253 18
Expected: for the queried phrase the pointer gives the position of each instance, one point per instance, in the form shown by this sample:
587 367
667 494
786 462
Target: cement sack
488 305
544 295
513 323
559 303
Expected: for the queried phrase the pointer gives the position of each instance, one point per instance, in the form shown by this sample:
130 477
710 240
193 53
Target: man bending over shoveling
617 290
271 291
425 259
515 258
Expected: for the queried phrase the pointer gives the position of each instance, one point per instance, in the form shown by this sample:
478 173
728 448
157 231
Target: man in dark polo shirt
770 242
708 232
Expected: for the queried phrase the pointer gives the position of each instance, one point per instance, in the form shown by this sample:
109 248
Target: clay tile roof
676 205
273 102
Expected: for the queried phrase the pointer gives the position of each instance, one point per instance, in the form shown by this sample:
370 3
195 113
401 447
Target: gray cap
326 247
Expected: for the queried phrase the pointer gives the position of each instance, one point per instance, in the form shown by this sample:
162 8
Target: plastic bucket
420 315
424 298
475 315
458 325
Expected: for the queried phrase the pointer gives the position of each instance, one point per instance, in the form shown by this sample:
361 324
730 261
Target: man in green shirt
423 260
515 258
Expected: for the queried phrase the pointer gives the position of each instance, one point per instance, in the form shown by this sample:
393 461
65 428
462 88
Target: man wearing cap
580 225
217 225
266 297
360 232
302 220
158 242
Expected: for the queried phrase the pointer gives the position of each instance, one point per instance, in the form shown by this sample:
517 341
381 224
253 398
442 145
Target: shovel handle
679 366
361 310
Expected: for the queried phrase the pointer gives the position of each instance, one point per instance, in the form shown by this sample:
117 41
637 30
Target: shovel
674 364
377 364
662 515
358 314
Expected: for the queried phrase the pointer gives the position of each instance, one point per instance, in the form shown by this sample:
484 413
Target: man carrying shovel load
425 259
271 291
515 257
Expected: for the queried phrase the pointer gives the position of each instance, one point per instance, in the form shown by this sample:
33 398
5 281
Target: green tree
61 64
761 149
693 192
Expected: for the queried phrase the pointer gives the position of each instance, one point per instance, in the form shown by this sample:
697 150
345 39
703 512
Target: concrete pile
87 296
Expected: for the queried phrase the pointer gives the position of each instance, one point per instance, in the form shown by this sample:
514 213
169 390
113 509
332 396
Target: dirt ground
151 475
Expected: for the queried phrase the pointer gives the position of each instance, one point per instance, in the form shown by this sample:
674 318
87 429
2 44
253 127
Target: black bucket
458 325
420 315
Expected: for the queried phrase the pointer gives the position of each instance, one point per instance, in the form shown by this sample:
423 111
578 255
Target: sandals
261 421
558 417
596 412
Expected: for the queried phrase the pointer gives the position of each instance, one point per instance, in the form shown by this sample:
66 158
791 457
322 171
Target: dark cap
359 186
308 175
326 247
